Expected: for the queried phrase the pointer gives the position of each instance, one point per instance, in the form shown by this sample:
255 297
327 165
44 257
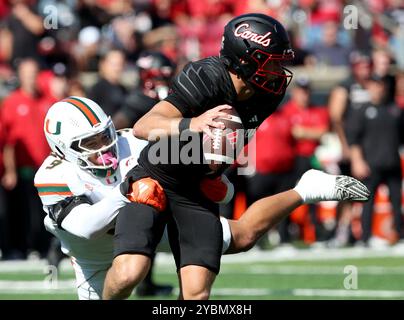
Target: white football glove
315 186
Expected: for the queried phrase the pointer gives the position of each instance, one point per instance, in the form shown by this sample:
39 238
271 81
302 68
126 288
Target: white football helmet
79 131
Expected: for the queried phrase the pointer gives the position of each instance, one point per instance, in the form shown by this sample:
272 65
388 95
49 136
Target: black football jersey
200 86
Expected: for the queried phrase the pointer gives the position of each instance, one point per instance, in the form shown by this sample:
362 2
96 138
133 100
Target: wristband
184 124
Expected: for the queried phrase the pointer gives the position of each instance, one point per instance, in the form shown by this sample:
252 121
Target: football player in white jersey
79 184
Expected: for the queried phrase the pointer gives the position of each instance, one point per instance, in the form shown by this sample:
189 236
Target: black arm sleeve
59 211
192 91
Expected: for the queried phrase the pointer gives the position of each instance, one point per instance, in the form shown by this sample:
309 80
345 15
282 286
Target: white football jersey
58 179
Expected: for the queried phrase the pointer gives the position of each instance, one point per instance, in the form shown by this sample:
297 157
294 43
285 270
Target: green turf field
310 274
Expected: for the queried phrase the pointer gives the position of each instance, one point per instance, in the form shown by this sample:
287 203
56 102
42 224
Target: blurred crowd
50 49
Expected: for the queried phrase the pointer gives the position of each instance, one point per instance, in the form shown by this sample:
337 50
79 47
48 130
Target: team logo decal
242 32
57 129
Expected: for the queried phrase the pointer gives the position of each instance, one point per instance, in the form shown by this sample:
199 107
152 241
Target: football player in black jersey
250 76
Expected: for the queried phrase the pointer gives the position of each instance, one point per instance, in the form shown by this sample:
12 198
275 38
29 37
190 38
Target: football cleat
315 186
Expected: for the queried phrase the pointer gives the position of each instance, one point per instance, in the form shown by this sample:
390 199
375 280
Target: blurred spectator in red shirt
322 11
274 162
24 151
23 121
309 124
201 27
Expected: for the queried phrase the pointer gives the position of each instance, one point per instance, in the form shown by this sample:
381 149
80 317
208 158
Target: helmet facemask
98 152
270 75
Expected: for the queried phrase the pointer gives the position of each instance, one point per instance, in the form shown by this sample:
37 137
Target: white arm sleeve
89 221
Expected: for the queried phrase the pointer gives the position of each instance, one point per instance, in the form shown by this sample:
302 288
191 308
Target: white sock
315 185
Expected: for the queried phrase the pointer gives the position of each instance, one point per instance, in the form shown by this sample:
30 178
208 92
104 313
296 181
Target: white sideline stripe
312 270
276 255
348 293
297 270
12 286
243 270
312 254
309 292
318 254
68 287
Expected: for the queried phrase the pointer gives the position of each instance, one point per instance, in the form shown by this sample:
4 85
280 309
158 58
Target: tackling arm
87 220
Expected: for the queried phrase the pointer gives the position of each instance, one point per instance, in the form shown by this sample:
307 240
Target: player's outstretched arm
264 214
86 220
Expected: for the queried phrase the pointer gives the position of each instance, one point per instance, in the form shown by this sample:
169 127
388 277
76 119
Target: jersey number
54 163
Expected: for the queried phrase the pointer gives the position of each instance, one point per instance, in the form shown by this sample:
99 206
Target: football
226 143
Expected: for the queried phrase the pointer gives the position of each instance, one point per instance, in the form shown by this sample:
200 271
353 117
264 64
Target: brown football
225 145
